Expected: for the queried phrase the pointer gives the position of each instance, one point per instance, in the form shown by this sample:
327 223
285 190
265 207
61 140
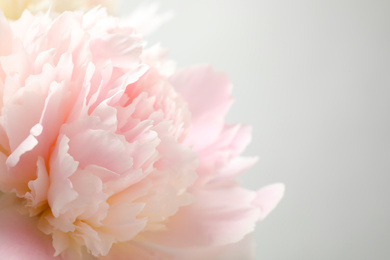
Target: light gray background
313 78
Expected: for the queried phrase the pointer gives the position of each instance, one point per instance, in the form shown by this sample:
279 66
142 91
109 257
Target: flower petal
5 36
206 91
243 250
208 95
268 197
20 238
217 217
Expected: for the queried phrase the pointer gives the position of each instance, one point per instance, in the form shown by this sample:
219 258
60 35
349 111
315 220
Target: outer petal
268 197
218 217
136 251
206 91
214 159
146 19
20 239
208 95
242 250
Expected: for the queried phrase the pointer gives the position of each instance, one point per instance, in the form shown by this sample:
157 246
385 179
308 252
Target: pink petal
27 145
122 221
17 63
137 251
217 217
146 18
20 239
237 166
215 157
122 49
22 114
208 96
242 250
40 185
206 91
62 166
268 197
64 34
5 36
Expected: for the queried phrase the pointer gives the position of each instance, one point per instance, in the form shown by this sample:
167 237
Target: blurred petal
137 251
146 20
242 250
268 197
217 217
206 91
20 239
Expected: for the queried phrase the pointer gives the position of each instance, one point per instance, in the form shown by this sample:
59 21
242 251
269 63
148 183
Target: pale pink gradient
111 152
13 9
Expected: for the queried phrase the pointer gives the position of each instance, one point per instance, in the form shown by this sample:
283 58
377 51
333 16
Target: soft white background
313 78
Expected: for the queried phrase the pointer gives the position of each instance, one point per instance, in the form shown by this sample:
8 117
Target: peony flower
108 152
14 8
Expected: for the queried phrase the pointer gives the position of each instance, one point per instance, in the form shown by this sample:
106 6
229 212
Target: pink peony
107 152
